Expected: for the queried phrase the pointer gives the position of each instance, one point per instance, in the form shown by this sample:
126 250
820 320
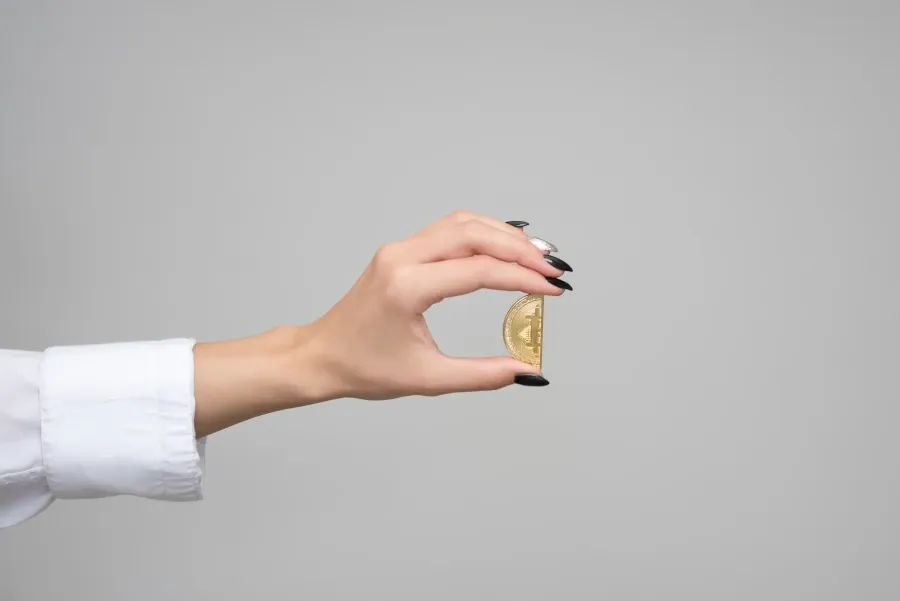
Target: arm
126 418
375 343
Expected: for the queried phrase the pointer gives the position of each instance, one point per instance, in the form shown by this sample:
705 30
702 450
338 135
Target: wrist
237 380
300 366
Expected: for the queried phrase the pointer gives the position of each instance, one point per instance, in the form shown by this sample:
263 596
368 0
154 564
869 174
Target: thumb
463 374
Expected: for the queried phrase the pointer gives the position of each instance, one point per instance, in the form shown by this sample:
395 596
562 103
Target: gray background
724 399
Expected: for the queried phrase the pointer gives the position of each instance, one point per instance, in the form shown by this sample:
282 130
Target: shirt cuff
118 419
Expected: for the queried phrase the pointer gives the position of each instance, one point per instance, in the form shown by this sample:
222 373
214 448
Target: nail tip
531 380
518 223
544 246
557 263
560 283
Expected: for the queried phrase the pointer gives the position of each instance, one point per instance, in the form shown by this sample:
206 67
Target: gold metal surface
523 329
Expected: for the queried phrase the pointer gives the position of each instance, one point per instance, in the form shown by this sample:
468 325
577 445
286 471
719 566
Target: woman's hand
374 343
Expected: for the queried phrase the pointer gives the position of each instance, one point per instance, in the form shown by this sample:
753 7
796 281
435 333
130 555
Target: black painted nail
531 380
558 263
560 284
517 223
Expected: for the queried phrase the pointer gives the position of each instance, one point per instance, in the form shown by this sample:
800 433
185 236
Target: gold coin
523 329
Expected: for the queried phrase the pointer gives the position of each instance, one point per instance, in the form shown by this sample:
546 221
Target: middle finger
476 238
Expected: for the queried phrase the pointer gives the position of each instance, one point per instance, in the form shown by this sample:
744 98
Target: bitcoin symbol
534 338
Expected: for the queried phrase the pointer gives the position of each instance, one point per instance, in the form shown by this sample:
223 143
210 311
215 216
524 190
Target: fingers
430 283
473 238
462 374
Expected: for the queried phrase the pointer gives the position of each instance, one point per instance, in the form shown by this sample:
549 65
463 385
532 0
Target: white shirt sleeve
97 421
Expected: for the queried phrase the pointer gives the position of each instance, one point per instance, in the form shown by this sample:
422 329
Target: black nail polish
531 380
558 263
560 284
517 223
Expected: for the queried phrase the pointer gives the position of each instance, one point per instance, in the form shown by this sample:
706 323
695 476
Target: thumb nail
531 380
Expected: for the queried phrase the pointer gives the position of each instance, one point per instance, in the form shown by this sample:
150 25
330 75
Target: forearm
237 380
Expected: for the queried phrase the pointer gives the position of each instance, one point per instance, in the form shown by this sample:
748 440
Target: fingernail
531 380
517 223
560 283
558 263
545 246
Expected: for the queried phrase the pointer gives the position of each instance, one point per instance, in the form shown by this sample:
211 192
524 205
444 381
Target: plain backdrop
725 378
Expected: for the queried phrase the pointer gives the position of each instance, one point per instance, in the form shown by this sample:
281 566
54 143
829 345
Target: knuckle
384 256
397 286
484 263
461 216
526 251
483 267
471 229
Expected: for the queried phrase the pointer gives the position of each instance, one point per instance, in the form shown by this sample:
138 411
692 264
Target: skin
295 365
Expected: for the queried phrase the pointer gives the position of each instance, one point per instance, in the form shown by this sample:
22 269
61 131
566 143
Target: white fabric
97 421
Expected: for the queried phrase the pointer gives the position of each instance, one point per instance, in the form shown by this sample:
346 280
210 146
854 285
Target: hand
375 343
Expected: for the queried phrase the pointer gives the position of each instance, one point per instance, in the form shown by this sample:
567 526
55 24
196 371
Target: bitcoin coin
523 329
